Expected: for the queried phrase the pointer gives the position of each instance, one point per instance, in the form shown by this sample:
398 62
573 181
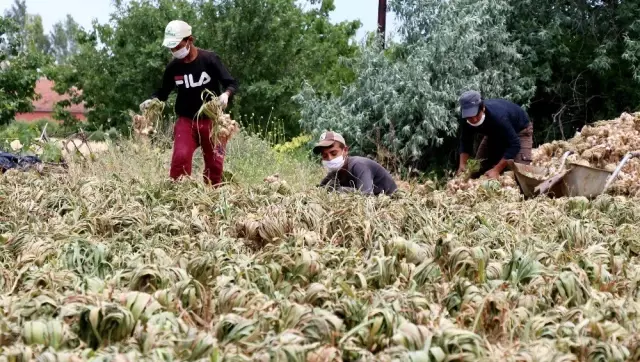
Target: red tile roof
49 98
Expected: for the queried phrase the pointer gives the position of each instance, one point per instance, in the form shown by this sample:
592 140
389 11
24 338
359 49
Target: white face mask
181 53
481 121
334 164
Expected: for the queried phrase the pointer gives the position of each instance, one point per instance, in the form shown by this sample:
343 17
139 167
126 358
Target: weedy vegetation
112 261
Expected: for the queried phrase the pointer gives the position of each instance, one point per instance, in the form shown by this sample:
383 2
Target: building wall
36 116
44 106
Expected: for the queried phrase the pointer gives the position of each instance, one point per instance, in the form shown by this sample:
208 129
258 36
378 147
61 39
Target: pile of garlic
602 145
507 180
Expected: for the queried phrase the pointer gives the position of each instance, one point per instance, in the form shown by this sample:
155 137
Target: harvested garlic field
111 261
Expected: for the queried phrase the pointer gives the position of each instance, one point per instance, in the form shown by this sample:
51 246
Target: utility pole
382 19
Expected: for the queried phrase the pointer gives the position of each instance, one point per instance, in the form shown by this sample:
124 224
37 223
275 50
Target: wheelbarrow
529 177
571 181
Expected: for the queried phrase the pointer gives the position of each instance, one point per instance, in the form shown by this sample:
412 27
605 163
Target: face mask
334 164
181 53
479 122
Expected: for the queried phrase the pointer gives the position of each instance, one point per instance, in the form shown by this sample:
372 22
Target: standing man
351 173
508 133
192 70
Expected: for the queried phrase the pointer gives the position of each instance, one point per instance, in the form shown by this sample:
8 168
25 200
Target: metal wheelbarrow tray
528 183
576 180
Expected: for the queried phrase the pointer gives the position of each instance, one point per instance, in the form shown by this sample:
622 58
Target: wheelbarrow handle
615 173
564 158
548 184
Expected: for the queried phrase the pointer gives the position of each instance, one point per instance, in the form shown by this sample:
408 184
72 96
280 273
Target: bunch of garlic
602 145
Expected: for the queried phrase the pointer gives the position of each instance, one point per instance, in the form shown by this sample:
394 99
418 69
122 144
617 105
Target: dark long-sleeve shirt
503 121
361 174
204 72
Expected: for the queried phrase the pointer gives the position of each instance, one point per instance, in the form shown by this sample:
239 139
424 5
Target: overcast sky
53 11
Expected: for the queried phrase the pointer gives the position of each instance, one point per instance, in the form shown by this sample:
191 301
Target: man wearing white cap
192 71
351 173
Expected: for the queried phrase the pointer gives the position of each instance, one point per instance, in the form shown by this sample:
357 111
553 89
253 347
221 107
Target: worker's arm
331 182
466 145
513 143
331 176
168 84
464 157
229 84
363 178
500 166
347 190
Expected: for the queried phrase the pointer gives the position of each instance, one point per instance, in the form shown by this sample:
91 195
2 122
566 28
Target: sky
53 11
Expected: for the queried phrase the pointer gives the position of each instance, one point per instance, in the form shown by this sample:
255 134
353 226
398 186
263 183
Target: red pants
188 135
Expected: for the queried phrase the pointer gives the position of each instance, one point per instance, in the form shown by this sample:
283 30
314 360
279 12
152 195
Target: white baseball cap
175 31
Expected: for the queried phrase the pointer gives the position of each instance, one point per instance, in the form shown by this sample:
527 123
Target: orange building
44 107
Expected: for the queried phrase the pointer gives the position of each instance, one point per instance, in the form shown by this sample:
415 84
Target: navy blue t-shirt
502 123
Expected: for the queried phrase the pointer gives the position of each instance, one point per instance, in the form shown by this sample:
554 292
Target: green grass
248 158
114 256
251 160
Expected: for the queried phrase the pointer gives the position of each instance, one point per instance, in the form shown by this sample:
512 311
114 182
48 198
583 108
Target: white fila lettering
188 82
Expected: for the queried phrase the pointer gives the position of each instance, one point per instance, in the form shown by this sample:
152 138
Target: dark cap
327 139
470 103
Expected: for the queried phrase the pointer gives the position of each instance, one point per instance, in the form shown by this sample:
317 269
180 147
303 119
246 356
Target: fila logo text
187 80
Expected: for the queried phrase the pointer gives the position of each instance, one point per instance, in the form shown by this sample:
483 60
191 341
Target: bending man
508 133
192 70
351 173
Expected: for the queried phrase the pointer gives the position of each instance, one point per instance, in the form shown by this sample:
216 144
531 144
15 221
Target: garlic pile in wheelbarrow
603 145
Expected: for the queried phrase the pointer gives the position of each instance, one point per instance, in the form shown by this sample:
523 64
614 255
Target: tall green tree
29 32
63 39
120 64
584 57
272 45
36 40
17 13
269 45
19 71
403 101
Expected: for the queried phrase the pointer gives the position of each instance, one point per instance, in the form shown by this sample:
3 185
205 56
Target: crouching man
351 173
507 131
